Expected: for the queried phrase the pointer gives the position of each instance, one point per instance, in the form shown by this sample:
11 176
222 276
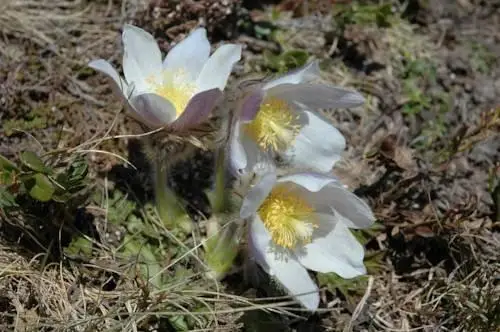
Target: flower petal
217 69
121 89
257 194
304 74
251 105
317 96
287 270
237 152
190 54
141 58
155 111
198 109
330 197
318 145
245 154
337 251
119 86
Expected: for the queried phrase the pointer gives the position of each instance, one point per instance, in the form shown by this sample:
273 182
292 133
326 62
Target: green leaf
294 58
7 200
79 246
374 261
61 197
350 288
7 165
40 187
120 208
7 178
286 61
33 162
146 259
78 170
262 31
179 323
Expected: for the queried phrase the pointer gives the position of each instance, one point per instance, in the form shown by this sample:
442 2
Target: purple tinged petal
198 109
317 96
251 105
304 74
155 111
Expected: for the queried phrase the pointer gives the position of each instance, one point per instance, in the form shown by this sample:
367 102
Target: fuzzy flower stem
221 194
222 248
167 204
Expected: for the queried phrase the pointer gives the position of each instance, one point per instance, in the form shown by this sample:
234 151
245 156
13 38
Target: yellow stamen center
275 126
176 87
289 219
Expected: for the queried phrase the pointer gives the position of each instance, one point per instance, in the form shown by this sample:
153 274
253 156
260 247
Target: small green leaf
78 170
120 208
6 199
33 162
179 323
294 58
350 288
262 31
79 246
146 259
7 178
7 165
61 197
40 187
62 181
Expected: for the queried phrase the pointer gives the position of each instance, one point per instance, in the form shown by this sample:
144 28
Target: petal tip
314 69
129 29
95 64
357 98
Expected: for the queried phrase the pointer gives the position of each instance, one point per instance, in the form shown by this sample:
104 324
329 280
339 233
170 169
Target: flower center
289 219
176 87
275 126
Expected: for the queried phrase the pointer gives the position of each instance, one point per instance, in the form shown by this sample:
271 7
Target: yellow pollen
275 126
176 87
288 218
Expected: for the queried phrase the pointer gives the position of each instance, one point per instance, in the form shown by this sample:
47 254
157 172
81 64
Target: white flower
280 118
300 222
182 89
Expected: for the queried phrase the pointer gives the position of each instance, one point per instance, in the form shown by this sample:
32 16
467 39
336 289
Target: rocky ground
424 152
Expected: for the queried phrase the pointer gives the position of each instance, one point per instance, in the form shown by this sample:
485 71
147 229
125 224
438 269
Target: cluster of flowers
297 220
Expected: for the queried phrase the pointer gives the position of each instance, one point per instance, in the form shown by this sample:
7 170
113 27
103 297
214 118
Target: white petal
190 54
259 241
154 110
141 58
288 271
121 89
337 251
318 145
238 155
316 96
257 194
304 74
119 86
245 153
311 181
329 196
217 69
198 109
